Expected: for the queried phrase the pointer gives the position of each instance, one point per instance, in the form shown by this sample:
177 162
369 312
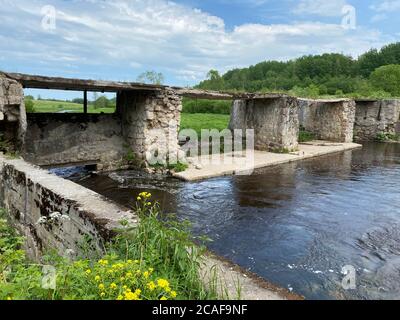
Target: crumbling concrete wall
31 196
275 122
12 111
374 117
58 139
331 120
150 121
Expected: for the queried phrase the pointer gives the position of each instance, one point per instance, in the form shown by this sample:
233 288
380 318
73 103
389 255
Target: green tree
387 78
101 103
151 77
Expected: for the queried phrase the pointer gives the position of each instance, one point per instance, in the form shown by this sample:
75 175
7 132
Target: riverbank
62 213
203 168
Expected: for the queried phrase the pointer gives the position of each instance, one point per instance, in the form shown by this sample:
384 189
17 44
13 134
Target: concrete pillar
331 120
275 122
12 111
150 122
376 116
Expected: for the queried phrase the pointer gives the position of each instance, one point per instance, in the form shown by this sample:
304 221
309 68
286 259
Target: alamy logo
349 281
49 20
49 279
349 20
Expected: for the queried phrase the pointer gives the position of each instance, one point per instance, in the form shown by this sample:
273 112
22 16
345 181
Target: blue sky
183 39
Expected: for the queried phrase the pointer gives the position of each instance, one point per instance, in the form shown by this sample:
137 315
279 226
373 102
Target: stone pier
374 117
150 122
12 112
274 120
330 120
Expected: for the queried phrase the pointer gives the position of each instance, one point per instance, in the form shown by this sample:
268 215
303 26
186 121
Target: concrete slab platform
205 167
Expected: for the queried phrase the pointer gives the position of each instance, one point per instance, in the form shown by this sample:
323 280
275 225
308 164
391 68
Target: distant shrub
207 106
29 105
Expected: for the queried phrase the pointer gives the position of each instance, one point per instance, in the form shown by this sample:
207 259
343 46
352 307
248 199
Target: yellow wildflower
88 271
97 278
146 274
131 296
120 297
162 283
163 298
138 272
151 270
129 261
139 198
173 294
151 285
103 262
101 286
102 294
113 286
9 298
129 275
122 279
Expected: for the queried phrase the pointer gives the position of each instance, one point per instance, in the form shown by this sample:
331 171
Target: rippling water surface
296 225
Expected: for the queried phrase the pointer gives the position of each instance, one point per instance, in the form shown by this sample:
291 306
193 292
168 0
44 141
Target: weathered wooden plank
42 82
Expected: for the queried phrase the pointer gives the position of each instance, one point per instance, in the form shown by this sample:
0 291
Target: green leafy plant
386 136
305 136
155 260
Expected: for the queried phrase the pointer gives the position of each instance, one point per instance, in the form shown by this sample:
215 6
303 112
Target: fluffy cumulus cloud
114 38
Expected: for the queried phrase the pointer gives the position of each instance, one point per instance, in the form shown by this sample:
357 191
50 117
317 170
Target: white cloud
331 8
182 42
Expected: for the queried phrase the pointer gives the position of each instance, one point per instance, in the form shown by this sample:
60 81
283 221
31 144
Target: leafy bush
207 106
29 105
386 136
156 260
305 136
387 78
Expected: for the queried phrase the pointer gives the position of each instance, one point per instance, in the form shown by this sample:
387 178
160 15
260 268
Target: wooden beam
56 83
85 102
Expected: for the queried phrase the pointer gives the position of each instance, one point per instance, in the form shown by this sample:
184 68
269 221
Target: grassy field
198 121
43 106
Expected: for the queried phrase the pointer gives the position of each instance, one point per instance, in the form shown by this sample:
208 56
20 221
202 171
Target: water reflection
297 224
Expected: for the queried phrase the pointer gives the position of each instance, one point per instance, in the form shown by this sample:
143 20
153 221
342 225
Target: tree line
376 73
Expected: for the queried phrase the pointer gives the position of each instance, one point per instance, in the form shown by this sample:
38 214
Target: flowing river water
297 225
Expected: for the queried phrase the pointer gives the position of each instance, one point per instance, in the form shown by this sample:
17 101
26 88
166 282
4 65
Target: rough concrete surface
209 169
29 193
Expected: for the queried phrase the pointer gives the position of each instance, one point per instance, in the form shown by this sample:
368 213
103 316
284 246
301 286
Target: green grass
44 106
155 260
199 121
306 136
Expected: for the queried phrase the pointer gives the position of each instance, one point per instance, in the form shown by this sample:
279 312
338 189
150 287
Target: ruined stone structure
374 117
12 111
68 139
145 124
150 121
30 195
275 122
331 120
